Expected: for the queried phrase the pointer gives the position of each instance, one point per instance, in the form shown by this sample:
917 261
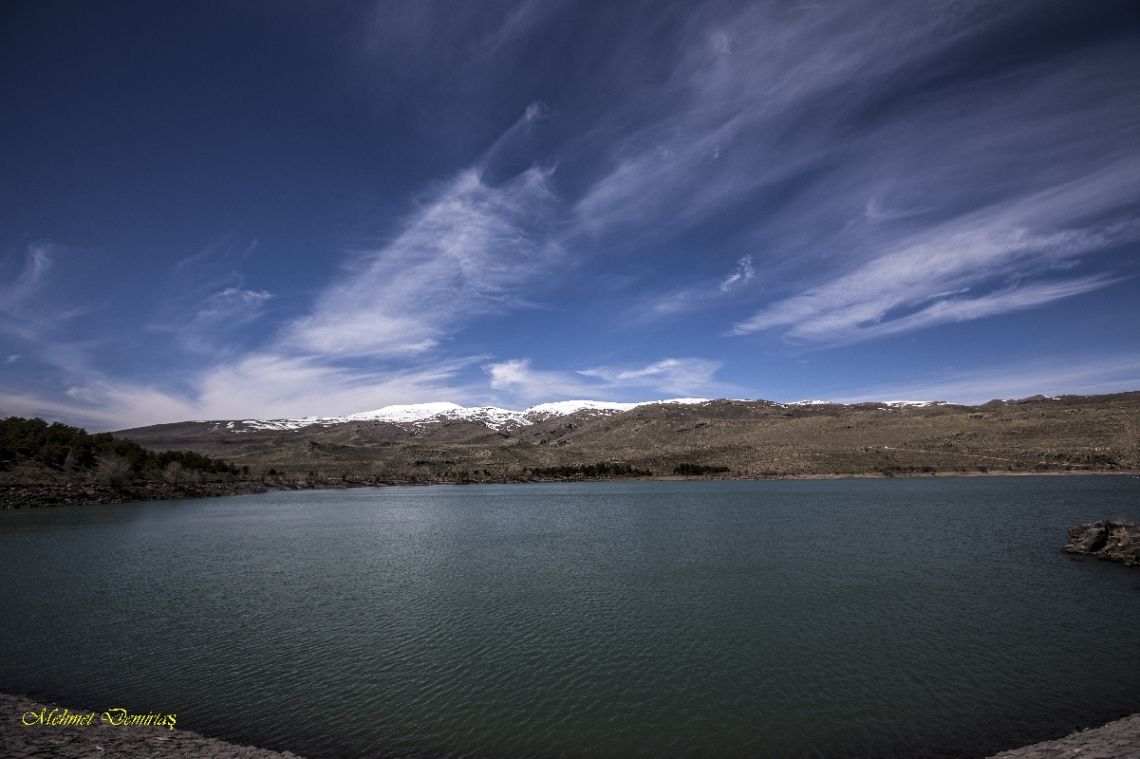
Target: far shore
24 495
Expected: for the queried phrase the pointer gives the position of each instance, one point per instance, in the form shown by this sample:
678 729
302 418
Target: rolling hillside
751 438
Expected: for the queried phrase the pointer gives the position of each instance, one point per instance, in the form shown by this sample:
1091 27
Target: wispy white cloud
519 382
670 304
220 315
1014 298
1087 375
37 263
679 376
520 20
19 312
255 386
742 82
876 212
205 302
469 251
989 262
882 177
523 385
703 295
210 251
271 385
232 305
100 406
744 272
763 102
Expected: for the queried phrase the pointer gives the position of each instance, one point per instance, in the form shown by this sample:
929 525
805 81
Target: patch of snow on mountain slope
913 404
893 404
278 424
415 412
491 416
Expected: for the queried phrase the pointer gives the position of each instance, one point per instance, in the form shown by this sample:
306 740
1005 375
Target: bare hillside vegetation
745 438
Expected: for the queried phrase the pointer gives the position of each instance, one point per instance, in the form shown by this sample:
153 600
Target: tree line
601 469
695 470
65 448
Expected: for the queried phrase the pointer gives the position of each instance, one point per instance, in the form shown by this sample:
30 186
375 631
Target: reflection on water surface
917 617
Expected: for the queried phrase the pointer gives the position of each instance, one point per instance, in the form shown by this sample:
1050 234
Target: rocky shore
28 495
20 740
1111 541
19 494
31 495
40 739
1116 740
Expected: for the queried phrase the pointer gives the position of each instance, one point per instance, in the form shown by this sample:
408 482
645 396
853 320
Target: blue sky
270 209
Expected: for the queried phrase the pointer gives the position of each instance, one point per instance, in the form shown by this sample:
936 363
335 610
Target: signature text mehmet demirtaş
115 716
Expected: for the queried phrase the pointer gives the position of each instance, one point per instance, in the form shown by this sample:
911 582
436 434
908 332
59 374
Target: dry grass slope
751 438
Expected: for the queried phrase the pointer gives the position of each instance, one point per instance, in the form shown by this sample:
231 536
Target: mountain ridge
495 417
750 438
491 416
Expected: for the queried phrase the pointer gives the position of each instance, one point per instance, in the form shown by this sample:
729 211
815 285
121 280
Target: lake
916 617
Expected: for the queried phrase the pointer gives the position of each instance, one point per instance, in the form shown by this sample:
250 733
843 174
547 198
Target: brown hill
750 438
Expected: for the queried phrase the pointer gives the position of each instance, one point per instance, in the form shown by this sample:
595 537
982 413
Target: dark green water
866 618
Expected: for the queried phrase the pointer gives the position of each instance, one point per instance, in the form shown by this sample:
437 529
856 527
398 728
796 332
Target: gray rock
1112 541
1116 740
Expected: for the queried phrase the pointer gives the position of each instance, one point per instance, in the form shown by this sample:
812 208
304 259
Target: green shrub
695 470
602 469
59 446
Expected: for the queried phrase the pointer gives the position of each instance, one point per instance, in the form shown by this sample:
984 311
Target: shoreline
1117 739
19 740
32 495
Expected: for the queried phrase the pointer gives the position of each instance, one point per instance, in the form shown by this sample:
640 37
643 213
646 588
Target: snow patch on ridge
414 412
892 404
913 404
491 416
565 408
418 414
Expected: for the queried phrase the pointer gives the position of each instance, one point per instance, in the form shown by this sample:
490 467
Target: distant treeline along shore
46 464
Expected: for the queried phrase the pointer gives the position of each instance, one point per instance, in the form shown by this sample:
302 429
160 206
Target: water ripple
775 619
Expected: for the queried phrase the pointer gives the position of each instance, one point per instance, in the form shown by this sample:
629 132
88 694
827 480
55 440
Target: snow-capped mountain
891 404
418 414
421 413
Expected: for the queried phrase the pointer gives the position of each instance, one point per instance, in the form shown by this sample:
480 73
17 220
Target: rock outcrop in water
1113 541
